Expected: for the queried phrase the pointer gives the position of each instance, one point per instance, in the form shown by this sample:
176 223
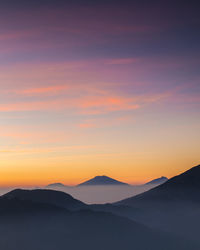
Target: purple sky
98 87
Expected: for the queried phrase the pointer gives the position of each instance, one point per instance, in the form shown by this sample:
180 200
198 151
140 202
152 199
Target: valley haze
103 189
96 191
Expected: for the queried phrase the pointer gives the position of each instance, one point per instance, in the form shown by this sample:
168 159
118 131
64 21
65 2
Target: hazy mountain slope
45 227
173 206
102 180
184 187
157 181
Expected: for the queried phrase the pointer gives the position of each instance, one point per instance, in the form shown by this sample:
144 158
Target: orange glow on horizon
42 174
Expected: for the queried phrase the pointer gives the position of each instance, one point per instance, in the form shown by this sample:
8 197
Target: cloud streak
49 90
85 104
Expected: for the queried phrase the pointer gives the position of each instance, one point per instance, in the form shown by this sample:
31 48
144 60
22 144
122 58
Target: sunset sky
98 87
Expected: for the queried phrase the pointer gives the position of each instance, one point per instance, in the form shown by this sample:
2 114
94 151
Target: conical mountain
102 180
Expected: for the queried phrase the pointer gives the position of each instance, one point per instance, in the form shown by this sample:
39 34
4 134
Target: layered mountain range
165 217
102 180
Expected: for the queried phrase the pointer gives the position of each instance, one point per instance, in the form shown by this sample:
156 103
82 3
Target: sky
98 88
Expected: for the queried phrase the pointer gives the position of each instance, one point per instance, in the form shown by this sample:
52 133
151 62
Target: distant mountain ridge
157 181
105 180
102 180
56 185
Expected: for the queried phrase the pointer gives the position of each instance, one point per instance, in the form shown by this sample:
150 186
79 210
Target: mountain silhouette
35 225
56 185
165 217
56 198
173 206
157 181
184 187
102 180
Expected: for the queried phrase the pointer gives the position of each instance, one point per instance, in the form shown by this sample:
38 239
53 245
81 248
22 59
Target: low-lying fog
103 194
5 190
97 194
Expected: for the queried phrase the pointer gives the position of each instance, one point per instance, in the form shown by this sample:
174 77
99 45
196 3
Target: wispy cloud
101 122
37 150
20 34
121 61
85 104
49 90
86 125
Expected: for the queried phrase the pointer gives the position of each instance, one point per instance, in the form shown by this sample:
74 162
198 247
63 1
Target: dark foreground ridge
184 187
173 206
51 197
37 219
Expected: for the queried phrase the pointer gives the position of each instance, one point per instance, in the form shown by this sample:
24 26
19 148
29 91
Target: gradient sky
98 87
